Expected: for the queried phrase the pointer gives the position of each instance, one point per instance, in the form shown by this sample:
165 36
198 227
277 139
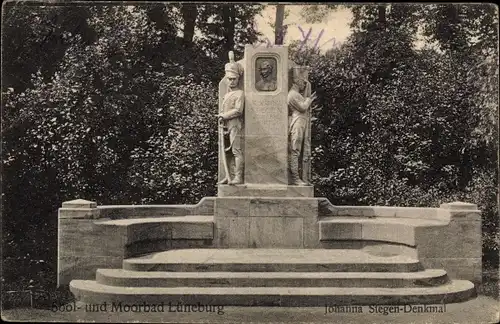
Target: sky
335 27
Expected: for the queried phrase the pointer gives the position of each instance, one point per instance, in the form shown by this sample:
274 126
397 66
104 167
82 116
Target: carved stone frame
279 82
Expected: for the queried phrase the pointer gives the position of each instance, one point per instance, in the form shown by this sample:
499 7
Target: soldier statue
298 107
231 117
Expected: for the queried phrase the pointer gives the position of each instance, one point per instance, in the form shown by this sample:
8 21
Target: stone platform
266 242
272 277
273 251
258 190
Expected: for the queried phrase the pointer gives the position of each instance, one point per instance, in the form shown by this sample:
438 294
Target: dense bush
407 141
116 123
399 126
179 163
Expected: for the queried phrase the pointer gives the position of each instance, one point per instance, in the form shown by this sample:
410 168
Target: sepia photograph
195 162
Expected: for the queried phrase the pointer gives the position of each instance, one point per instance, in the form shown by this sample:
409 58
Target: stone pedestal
266 118
78 209
457 247
281 222
265 211
257 190
80 249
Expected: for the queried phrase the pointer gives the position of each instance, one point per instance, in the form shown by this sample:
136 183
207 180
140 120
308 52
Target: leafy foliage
178 164
318 13
37 36
97 126
458 27
227 27
404 126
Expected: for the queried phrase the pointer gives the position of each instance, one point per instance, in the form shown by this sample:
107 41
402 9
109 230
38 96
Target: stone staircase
272 277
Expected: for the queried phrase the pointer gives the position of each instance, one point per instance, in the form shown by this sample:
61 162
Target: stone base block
253 190
246 222
83 267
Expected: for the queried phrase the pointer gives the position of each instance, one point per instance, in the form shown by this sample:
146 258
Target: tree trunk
381 17
189 13
278 27
229 20
454 32
157 14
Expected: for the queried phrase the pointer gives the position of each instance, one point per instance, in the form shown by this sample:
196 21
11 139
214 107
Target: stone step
92 292
271 260
126 278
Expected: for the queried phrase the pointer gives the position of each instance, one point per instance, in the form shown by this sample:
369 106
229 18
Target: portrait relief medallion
266 74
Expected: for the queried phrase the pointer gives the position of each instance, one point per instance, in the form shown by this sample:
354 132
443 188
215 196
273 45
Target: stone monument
266 137
267 202
265 240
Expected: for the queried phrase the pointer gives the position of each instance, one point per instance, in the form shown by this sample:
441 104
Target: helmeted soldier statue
298 107
231 115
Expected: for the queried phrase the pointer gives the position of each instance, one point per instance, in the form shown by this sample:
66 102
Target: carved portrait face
301 83
232 80
265 74
265 69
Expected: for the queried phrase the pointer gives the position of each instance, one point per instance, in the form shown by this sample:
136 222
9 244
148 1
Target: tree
457 27
278 26
227 27
87 123
74 134
189 14
318 13
393 108
36 37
